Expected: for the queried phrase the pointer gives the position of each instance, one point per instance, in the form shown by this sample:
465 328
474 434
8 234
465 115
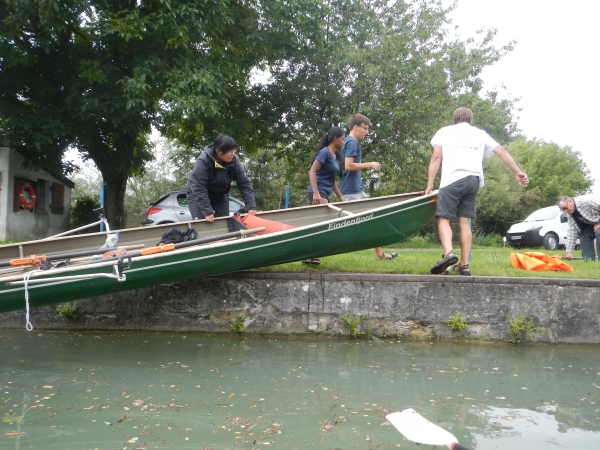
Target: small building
33 204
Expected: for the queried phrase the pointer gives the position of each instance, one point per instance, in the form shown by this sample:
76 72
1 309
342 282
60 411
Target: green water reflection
195 391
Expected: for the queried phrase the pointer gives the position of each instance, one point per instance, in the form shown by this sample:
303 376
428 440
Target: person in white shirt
460 149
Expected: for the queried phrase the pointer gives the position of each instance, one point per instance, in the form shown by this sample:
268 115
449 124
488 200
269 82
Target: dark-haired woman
324 170
325 167
210 180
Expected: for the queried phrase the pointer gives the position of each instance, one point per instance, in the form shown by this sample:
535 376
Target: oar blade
419 430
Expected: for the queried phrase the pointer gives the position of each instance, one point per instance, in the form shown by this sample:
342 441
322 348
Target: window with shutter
40 192
58 198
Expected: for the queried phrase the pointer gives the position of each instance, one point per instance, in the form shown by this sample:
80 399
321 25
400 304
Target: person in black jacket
210 180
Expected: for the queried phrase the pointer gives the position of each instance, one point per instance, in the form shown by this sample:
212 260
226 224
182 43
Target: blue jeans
587 238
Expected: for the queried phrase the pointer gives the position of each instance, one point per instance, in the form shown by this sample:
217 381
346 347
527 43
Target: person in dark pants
583 222
210 180
460 149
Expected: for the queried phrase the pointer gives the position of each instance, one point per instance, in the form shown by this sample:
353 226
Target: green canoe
316 231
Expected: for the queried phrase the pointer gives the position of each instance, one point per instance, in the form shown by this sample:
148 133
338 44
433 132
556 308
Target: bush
238 325
69 310
352 322
521 327
457 321
419 241
487 240
82 213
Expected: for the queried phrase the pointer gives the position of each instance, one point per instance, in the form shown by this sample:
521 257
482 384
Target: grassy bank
484 262
418 255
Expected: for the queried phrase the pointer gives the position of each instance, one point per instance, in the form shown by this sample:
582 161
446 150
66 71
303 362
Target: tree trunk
115 162
114 198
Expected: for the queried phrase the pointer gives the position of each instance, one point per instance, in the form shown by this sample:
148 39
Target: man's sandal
313 261
449 259
464 270
388 256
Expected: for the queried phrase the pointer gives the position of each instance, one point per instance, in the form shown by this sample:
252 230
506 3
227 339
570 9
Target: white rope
28 324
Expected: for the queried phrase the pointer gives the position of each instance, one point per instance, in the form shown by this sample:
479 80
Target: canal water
146 390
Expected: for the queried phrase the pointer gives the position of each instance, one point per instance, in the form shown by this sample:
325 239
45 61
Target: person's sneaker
448 260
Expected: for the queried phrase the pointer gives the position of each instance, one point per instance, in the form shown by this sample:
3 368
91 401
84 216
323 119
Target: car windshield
543 214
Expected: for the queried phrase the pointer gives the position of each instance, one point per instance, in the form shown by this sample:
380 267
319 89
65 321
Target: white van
545 227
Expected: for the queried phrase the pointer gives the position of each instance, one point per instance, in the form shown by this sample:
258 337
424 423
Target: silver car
173 208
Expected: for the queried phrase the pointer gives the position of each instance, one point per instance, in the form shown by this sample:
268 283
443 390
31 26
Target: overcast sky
553 68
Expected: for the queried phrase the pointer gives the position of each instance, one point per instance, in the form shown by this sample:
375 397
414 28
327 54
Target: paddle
419 430
34 260
170 247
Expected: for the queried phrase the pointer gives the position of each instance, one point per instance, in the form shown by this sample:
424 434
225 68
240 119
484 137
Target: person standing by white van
584 222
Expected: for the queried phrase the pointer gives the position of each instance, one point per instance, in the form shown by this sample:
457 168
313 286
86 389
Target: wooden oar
34 260
419 430
170 247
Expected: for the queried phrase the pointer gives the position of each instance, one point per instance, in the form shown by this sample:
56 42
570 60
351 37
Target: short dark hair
462 115
358 120
224 144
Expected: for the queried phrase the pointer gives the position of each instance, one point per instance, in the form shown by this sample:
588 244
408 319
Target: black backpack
174 236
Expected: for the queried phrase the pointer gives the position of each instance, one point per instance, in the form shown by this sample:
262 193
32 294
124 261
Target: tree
553 170
97 74
393 61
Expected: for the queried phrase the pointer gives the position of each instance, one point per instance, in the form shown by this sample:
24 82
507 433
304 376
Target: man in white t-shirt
460 149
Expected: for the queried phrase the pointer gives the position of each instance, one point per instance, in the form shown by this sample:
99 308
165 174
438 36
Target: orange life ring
27 204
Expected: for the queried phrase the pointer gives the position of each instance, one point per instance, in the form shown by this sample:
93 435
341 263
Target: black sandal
314 261
464 270
389 256
447 260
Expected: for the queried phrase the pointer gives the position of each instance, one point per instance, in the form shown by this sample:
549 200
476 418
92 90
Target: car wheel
550 241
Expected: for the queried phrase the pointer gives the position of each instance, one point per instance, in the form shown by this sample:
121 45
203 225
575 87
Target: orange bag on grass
270 225
538 261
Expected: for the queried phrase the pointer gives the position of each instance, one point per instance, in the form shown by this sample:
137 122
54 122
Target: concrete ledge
406 306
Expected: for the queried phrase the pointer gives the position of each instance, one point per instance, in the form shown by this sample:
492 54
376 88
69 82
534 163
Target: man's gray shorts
355 196
458 199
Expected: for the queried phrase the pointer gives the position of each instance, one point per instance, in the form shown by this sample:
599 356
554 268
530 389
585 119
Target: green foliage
494 116
521 327
457 321
419 241
69 310
353 323
553 171
238 326
394 62
486 240
98 75
275 75
82 212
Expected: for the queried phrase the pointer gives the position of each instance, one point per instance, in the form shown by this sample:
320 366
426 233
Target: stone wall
404 306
